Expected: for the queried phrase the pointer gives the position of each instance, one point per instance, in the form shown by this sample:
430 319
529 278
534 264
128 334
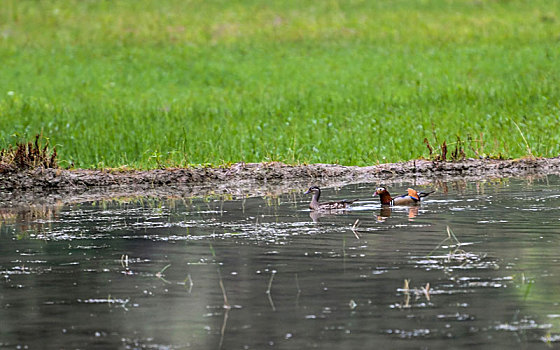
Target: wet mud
49 186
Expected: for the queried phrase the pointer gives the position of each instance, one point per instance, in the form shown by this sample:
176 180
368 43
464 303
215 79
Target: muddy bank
244 179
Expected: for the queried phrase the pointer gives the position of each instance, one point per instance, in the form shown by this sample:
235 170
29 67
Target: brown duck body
413 197
316 205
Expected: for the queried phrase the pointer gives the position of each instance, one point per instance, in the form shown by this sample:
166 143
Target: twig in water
124 264
191 283
124 260
226 306
160 274
406 293
226 303
450 237
354 227
223 330
268 290
450 234
406 284
426 291
298 290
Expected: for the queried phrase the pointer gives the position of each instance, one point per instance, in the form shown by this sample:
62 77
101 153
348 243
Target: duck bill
307 192
375 194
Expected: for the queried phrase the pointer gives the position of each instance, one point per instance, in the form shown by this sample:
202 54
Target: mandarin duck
316 205
411 198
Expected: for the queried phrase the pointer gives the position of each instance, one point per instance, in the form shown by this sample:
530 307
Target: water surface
257 273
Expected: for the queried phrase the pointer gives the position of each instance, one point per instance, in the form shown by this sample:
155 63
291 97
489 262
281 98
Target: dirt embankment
248 178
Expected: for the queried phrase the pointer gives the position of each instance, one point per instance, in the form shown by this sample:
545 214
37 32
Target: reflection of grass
32 219
539 295
226 306
151 84
528 288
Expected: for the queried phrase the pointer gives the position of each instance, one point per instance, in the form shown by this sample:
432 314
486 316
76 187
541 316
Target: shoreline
245 179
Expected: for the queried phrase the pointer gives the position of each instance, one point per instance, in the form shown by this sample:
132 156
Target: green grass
146 84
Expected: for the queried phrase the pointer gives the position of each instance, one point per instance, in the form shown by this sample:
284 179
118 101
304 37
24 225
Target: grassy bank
145 84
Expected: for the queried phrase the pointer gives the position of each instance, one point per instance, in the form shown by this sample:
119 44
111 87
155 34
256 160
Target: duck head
380 190
313 189
383 194
316 194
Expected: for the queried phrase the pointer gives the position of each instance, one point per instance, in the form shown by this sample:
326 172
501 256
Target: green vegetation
159 83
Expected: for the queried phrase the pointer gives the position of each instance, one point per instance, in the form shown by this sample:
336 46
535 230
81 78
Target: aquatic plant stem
268 290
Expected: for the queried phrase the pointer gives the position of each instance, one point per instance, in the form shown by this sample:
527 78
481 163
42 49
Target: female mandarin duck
316 205
411 198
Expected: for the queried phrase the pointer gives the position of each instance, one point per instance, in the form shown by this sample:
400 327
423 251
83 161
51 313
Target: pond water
258 273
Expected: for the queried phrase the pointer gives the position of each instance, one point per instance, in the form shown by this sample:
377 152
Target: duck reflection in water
385 213
315 215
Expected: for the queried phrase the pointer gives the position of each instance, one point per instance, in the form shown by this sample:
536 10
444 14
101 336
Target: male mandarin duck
316 205
411 198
